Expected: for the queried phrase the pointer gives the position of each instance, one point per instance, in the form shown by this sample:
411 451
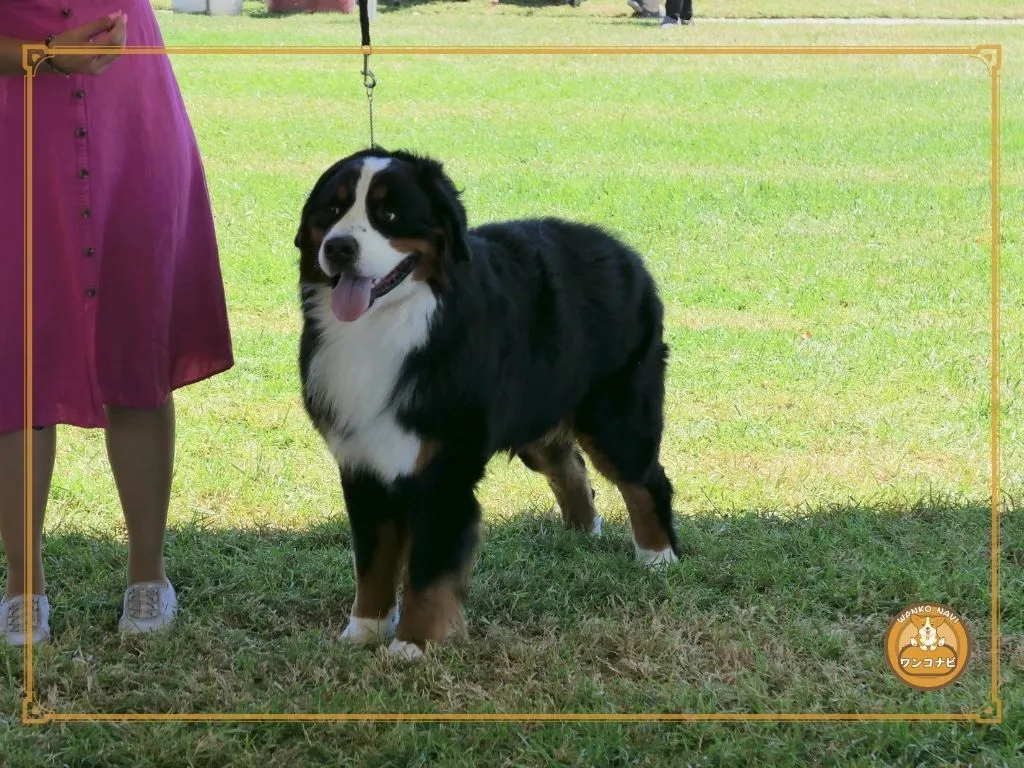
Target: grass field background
819 229
730 9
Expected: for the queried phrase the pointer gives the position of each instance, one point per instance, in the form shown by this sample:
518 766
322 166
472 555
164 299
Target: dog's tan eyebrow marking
342 192
378 191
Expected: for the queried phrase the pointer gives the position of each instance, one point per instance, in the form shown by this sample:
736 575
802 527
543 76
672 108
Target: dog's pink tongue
351 297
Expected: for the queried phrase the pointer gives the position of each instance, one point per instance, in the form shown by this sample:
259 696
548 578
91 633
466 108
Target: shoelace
16 616
144 602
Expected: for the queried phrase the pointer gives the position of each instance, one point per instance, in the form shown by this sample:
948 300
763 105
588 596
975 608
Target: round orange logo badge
927 646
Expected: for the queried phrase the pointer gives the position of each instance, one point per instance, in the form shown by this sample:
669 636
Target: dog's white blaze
354 371
376 256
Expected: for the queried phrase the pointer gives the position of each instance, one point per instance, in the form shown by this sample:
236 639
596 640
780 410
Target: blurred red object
310 6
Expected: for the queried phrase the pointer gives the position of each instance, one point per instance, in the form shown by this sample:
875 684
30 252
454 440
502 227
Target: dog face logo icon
926 635
927 646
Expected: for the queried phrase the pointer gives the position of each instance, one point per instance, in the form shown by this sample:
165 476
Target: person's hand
107 31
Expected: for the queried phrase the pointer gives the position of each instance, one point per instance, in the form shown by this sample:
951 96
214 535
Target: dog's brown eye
335 211
387 215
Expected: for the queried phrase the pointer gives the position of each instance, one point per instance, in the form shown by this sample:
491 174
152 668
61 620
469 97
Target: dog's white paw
650 558
404 650
366 631
595 527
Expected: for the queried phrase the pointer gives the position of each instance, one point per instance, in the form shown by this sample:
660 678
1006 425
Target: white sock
405 650
653 558
360 630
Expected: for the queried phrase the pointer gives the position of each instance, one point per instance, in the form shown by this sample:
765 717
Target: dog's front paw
404 650
366 631
650 558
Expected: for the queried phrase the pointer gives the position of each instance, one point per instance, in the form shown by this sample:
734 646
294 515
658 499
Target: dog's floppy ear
447 207
300 234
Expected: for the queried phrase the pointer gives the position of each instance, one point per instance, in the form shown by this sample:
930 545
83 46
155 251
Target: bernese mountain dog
428 347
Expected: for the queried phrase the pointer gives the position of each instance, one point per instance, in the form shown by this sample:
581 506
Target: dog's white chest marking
354 371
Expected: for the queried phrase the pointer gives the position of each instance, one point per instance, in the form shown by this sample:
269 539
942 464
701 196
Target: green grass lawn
819 230
945 9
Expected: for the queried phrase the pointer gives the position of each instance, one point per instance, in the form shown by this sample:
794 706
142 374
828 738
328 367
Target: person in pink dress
127 295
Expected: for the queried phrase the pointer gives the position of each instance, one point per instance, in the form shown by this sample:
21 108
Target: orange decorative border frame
990 54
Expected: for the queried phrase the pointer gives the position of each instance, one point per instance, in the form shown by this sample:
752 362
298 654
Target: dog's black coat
541 324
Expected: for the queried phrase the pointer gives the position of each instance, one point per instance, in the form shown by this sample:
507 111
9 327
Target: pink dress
127 292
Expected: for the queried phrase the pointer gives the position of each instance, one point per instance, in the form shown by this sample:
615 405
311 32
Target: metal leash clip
369 82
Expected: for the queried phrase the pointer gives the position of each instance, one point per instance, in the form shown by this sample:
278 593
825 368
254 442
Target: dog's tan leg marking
374 615
433 614
430 615
566 473
649 536
428 450
648 533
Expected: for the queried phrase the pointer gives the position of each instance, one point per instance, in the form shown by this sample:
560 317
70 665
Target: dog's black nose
341 252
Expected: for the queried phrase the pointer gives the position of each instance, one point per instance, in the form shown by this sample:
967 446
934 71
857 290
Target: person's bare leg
140 445
12 507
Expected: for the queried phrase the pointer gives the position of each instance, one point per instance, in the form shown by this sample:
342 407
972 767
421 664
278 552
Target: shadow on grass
843 561
763 613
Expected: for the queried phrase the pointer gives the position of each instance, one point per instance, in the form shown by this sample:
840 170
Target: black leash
369 81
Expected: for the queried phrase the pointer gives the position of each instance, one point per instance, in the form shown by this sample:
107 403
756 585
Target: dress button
83 173
90 292
90 251
79 93
86 213
80 133
66 13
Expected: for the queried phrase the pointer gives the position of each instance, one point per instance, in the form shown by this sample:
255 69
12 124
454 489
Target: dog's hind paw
650 558
404 650
365 631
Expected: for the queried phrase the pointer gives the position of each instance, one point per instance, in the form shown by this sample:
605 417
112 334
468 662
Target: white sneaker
12 619
149 606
